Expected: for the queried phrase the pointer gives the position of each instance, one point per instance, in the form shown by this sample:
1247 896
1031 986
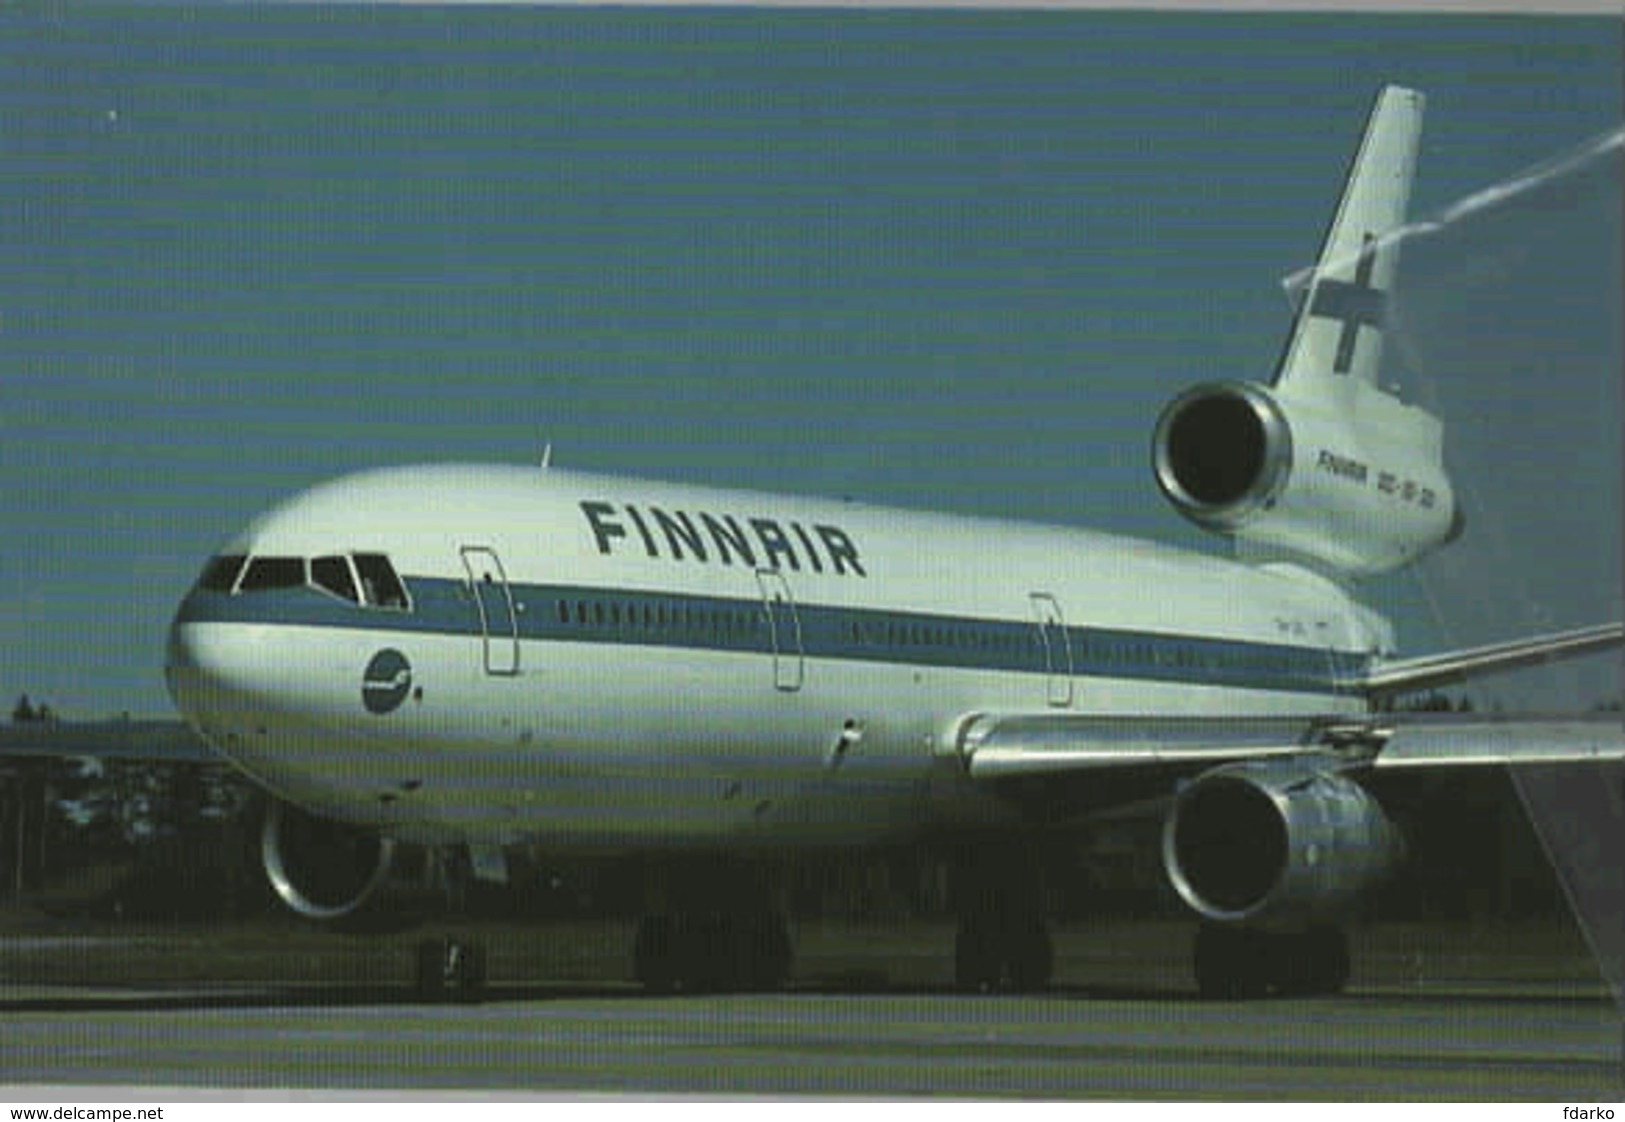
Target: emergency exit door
493 600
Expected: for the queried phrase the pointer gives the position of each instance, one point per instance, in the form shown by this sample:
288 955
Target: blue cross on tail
1356 304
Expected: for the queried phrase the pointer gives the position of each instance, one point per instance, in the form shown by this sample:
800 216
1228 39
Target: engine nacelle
1276 842
341 874
1354 482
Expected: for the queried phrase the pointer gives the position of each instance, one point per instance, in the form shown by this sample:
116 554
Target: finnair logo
386 681
1354 305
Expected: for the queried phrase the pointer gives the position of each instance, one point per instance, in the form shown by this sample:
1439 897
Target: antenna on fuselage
547 455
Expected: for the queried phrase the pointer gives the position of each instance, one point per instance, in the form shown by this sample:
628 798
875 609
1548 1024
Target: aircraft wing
998 746
1437 740
1400 676
995 746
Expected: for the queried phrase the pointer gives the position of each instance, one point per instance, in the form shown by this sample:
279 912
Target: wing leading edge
997 746
1408 675
1000 747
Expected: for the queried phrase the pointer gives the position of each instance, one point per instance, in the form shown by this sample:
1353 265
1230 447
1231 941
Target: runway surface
1058 1046
1498 1028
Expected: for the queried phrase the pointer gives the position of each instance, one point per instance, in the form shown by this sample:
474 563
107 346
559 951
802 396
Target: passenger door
783 629
499 624
1057 648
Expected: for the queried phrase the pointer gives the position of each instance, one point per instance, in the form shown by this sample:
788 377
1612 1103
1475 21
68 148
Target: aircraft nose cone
184 673
177 651
210 673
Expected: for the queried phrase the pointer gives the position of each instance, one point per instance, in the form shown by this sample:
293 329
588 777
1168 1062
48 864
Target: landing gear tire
1315 962
765 955
1032 959
988 957
1003 941
977 965
654 963
1231 964
711 951
450 970
1236 964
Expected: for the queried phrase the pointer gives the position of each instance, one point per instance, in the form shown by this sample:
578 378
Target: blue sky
954 260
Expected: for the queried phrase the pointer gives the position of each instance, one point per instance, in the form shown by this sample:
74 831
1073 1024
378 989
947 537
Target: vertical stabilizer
1338 333
1323 466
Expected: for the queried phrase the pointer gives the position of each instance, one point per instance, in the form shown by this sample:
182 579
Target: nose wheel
450 969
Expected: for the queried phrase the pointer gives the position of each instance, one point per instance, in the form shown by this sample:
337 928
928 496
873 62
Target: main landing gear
1003 941
712 951
1237 963
449 968
711 925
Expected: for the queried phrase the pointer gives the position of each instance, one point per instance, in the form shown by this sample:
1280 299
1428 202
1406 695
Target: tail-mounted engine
1352 481
1281 841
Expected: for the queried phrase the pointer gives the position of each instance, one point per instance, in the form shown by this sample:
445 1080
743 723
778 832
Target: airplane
425 666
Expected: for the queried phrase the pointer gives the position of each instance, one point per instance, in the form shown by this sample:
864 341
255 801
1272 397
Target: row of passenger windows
662 617
1013 640
360 578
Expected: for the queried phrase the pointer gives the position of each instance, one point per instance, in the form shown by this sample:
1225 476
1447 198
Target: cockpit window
220 574
332 574
359 578
273 572
379 584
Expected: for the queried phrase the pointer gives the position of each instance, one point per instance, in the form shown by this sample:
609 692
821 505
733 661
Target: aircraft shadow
101 999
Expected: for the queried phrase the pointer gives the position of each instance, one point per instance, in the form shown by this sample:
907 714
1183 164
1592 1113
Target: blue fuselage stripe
677 620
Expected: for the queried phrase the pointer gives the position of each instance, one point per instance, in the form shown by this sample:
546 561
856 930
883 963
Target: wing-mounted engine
345 875
1351 480
1276 842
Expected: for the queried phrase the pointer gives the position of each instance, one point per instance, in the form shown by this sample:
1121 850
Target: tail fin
1338 333
1322 465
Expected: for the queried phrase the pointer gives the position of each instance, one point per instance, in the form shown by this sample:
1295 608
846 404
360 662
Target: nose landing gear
450 969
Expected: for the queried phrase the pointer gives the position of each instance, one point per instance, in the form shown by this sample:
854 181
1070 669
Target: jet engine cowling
345 875
1354 483
1276 842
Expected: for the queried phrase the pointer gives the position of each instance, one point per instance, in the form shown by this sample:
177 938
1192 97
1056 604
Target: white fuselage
592 662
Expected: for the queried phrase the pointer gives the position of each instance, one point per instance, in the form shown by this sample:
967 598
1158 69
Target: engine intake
1222 452
1351 479
1277 841
341 874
